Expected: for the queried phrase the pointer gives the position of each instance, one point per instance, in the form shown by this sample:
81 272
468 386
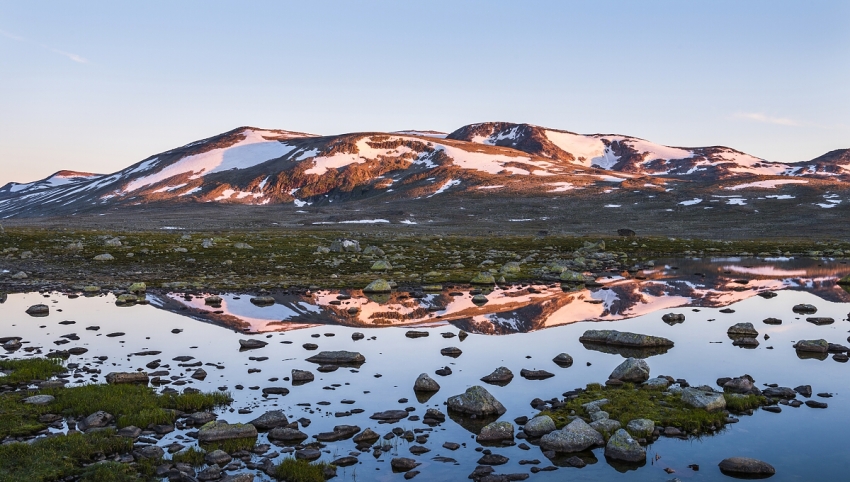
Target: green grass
294 470
16 418
628 403
742 403
110 472
54 458
132 404
191 456
232 445
31 369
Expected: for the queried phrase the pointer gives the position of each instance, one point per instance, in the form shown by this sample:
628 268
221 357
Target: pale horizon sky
99 85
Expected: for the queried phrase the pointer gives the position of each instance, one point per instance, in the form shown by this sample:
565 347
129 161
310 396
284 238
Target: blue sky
97 86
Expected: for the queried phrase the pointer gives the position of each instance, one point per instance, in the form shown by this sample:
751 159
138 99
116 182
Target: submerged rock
745 466
476 401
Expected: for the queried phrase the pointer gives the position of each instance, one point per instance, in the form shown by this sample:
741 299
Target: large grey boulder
425 383
496 432
337 358
746 467
539 426
605 425
302 376
575 437
38 310
621 446
39 399
345 246
705 399
632 370
476 401
624 338
98 419
378 286
221 430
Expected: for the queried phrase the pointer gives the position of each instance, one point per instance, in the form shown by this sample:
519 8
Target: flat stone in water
744 466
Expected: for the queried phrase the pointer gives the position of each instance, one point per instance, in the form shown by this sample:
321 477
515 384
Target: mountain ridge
249 165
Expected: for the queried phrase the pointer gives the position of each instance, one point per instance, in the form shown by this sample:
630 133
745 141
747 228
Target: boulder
535 374
217 457
483 278
378 286
118 378
337 358
220 430
345 246
640 427
476 401
425 383
746 467
623 338
705 399
381 265
784 393
98 419
742 329
605 426
39 399
539 426
575 437
302 376
656 383
262 300
270 420
804 309
367 436
820 320
251 344
673 318
813 346
563 360
496 432
38 310
451 351
104 257
137 288
632 370
287 435
501 375
621 446
403 464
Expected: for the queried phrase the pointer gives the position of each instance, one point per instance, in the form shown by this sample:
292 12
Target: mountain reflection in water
704 282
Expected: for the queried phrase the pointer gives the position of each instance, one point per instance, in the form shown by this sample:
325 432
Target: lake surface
801 443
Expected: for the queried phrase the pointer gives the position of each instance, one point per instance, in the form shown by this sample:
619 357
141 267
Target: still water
801 443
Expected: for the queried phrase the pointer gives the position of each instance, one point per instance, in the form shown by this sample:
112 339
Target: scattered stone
38 310
744 466
476 401
820 320
263 300
813 346
251 344
501 375
493 459
805 309
118 378
535 374
39 399
416 334
451 351
378 286
98 419
640 427
496 432
403 464
705 399
742 329
287 435
815 404
220 430
804 390
302 376
772 321
338 358
104 257
618 338
539 426
424 383
270 420
575 437
563 360
673 318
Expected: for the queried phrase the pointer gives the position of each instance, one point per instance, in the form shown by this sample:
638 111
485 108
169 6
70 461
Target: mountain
254 166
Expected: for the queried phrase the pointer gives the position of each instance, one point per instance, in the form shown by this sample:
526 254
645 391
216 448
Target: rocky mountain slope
273 167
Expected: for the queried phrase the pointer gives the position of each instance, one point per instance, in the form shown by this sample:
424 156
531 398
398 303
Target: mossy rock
378 286
137 288
511 267
483 278
381 265
569 276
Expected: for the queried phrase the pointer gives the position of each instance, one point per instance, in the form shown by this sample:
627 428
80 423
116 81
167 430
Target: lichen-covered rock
511 267
814 346
539 426
270 420
572 277
345 246
621 446
220 430
39 399
287 435
263 300
605 426
483 278
381 265
624 338
640 427
476 401
632 370
705 399
137 288
575 437
378 286
657 383
424 383
104 257
496 432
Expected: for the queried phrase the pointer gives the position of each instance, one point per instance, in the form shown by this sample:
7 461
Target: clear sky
99 85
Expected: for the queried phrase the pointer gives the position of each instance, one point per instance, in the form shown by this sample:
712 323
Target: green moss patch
294 470
30 369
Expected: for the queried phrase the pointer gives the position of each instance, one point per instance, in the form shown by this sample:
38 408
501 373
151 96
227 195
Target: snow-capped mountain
256 166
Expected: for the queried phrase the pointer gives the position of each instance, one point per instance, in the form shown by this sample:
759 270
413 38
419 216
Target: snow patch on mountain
769 184
252 150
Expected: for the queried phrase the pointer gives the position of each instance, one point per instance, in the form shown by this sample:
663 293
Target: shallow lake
517 329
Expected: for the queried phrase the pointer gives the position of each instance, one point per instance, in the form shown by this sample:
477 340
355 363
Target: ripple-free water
801 443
